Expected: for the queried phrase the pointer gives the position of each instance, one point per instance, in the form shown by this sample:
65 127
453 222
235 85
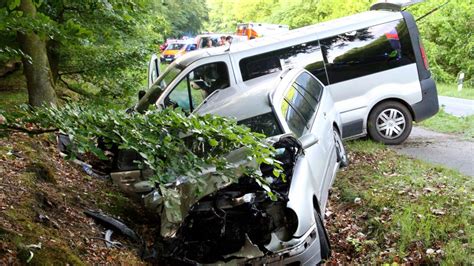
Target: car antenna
432 11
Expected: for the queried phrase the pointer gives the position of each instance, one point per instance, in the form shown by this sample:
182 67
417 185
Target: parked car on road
254 30
176 49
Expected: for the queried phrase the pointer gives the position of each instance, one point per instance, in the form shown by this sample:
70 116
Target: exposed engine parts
240 216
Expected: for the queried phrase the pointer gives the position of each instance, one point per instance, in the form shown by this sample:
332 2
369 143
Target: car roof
324 29
299 35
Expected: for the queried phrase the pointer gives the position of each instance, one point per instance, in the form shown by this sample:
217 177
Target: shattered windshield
159 86
264 123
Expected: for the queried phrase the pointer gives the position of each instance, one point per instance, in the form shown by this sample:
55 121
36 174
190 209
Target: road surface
456 106
448 150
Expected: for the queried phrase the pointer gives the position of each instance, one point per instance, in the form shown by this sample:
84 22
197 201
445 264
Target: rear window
301 102
367 51
305 54
310 88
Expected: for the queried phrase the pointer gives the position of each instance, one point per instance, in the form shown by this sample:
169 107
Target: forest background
98 50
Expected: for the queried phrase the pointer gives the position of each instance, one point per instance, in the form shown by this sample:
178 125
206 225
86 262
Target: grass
12 98
446 123
452 91
410 206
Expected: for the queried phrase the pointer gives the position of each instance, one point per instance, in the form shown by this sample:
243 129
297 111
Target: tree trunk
36 68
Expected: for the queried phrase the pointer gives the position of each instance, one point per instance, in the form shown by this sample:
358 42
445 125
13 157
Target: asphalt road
448 150
456 106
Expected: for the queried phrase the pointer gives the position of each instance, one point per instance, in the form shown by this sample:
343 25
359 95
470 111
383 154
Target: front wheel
323 237
390 123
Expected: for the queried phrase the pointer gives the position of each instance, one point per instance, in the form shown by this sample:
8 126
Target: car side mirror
153 70
308 140
141 93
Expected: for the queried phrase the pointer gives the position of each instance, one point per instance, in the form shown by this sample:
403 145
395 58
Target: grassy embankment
390 208
446 123
385 207
451 90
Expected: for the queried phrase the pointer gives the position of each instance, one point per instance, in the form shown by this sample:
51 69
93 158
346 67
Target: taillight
423 55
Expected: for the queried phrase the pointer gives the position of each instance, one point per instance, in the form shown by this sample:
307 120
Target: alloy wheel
391 123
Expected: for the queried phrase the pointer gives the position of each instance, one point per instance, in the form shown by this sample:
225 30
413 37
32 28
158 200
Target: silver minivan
373 63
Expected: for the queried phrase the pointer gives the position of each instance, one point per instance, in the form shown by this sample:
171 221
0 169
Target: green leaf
213 142
12 4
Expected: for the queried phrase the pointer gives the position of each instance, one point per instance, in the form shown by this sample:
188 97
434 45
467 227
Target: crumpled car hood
173 200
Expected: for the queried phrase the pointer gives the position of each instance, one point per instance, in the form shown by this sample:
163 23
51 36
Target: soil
42 203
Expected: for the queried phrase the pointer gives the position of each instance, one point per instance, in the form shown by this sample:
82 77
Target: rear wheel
323 237
390 123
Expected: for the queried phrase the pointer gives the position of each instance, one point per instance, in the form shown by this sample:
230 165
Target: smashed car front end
229 219
234 221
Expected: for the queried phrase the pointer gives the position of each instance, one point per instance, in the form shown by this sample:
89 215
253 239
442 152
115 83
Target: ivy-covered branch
170 143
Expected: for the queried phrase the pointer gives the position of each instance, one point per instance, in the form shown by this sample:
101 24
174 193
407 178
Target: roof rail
393 5
285 71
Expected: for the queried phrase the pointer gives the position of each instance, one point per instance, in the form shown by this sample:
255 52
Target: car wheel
390 123
340 150
323 237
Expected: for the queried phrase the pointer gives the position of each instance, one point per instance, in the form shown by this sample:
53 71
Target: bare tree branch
76 90
35 131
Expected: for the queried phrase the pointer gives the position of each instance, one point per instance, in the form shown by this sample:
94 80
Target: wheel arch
334 125
316 204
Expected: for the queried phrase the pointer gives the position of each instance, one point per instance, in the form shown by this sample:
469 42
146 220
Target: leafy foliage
170 143
99 48
448 37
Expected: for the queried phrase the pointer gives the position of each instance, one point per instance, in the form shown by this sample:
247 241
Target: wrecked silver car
237 220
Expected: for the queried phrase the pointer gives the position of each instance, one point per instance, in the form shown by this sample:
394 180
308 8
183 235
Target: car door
299 108
192 87
323 127
306 112
319 154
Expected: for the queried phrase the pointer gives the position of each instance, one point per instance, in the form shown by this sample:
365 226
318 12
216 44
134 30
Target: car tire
323 237
390 123
340 150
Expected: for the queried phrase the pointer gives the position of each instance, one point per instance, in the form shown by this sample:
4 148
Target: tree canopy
98 47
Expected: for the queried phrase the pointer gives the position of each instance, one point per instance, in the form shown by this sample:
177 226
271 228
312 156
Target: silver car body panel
355 98
315 171
318 160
